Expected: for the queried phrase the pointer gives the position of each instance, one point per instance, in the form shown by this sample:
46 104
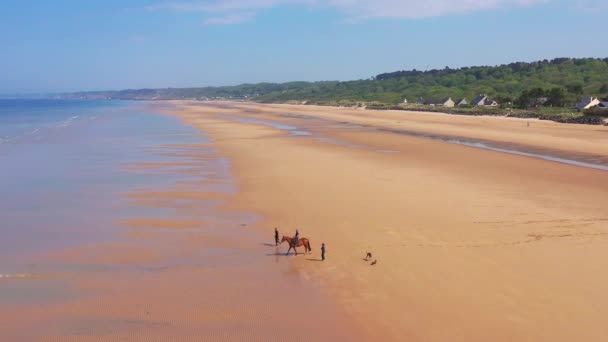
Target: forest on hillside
562 81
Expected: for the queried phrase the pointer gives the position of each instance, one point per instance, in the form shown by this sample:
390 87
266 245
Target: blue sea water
29 120
62 170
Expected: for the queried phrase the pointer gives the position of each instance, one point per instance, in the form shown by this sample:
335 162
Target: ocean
115 222
64 165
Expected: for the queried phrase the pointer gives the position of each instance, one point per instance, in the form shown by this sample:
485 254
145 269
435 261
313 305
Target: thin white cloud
231 11
230 18
414 9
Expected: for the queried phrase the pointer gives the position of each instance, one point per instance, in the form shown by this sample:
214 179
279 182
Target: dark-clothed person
323 251
296 238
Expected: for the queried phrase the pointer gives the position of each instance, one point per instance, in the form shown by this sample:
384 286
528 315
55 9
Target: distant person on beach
323 251
276 236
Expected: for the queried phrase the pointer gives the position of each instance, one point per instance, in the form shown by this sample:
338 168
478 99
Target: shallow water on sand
510 148
60 183
308 124
294 131
116 227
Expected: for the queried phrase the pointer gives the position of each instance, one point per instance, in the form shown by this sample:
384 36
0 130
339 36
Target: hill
574 77
566 78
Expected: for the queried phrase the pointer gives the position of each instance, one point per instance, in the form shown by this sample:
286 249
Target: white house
587 102
603 105
461 102
445 102
484 100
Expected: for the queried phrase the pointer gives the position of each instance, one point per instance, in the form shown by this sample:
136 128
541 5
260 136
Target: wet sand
176 261
471 244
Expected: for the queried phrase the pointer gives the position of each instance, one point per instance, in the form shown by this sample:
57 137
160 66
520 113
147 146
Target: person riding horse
301 242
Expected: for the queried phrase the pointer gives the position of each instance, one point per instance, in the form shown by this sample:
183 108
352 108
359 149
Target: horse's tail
309 248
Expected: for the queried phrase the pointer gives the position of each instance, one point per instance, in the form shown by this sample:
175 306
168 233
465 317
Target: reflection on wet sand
176 263
469 244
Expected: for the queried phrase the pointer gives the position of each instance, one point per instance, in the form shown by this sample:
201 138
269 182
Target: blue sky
61 45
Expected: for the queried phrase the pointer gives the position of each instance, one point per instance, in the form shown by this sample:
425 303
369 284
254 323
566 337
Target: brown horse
302 242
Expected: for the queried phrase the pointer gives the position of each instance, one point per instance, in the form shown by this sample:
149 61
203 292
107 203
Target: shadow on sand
314 259
283 254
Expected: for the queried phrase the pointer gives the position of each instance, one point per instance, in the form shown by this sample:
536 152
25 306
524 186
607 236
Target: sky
75 45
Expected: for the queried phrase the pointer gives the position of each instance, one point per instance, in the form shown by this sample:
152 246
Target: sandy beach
471 244
159 158
160 254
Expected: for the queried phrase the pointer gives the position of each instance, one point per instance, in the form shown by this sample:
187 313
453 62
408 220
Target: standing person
323 251
276 236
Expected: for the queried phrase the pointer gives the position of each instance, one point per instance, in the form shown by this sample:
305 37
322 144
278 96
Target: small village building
587 102
445 102
484 100
461 102
479 100
405 101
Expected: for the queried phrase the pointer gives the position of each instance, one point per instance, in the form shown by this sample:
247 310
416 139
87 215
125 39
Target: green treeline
560 82
563 81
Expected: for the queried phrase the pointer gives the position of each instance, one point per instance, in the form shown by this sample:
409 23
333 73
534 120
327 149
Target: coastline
500 209
576 144
564 118
182 265
471 244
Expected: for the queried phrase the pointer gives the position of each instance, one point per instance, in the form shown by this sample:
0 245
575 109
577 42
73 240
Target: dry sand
472 245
